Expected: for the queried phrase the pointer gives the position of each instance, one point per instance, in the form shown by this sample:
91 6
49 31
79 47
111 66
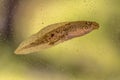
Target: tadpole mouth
95 25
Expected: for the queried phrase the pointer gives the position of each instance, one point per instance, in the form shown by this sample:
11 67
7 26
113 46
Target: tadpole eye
88 23
85 27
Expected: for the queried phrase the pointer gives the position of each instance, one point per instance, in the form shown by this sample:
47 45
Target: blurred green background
95 56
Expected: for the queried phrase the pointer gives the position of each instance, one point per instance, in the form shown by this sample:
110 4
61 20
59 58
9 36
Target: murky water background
94 56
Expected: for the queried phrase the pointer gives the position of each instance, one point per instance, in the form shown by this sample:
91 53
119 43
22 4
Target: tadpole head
95 25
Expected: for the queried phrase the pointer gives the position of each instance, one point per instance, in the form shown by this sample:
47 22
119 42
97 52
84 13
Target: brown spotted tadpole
54 34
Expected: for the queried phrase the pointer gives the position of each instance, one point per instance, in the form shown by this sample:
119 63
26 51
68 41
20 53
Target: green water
94 56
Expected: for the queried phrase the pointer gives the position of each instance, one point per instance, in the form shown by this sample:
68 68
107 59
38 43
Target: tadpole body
54 34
